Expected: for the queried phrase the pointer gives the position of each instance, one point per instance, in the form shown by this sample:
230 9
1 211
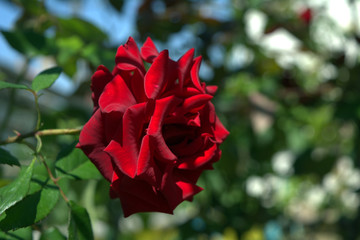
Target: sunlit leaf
41 198
79 224
46 78
76 165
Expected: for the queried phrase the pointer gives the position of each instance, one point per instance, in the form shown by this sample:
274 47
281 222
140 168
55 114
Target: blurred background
288 73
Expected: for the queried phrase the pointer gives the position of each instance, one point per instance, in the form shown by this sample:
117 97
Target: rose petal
125 156
149 51
101 77
188 189
195 73
128 57
162 108
92 143
184 66
137 87
146 168
116 96
211 89
200 159
138 196
195 103
155 78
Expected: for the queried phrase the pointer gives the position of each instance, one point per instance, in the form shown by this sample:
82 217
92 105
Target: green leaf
21 234
75 26
32 208
7 158
74 164
17 190
46 78
27 41
79 224
52 234
12 85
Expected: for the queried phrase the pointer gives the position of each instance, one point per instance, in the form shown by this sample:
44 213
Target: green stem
36 99
39 133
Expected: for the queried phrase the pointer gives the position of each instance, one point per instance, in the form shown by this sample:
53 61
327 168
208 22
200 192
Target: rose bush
154 131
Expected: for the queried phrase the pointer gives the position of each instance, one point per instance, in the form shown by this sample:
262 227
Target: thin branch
55 180
45 132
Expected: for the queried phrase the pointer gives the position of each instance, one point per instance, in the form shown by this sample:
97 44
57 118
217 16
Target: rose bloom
152 132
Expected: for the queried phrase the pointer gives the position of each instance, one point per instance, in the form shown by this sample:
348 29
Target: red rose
153 131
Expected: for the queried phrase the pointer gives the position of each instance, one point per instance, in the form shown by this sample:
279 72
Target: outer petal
149 51
184 66
138 196
155 78
128 57
92 141
175 189
211 89
195 73
101 77
116 96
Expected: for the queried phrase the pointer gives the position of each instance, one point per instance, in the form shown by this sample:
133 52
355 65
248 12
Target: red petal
128 57
184 66
162 108
211 89
101 77
92 142
195 103
188 189
116 96
155 78
125 156
199 159
149 51
195 73
137 87
146 168
138 196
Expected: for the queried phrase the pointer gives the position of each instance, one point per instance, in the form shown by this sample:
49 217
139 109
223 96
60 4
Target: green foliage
7 158
79 224
27 41
73 163
46 78
17 190
52 234
12 85
20 234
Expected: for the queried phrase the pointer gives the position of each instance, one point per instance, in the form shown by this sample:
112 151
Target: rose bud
152 132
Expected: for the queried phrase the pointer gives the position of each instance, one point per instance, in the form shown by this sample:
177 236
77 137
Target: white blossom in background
255 186
282 163
255 22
